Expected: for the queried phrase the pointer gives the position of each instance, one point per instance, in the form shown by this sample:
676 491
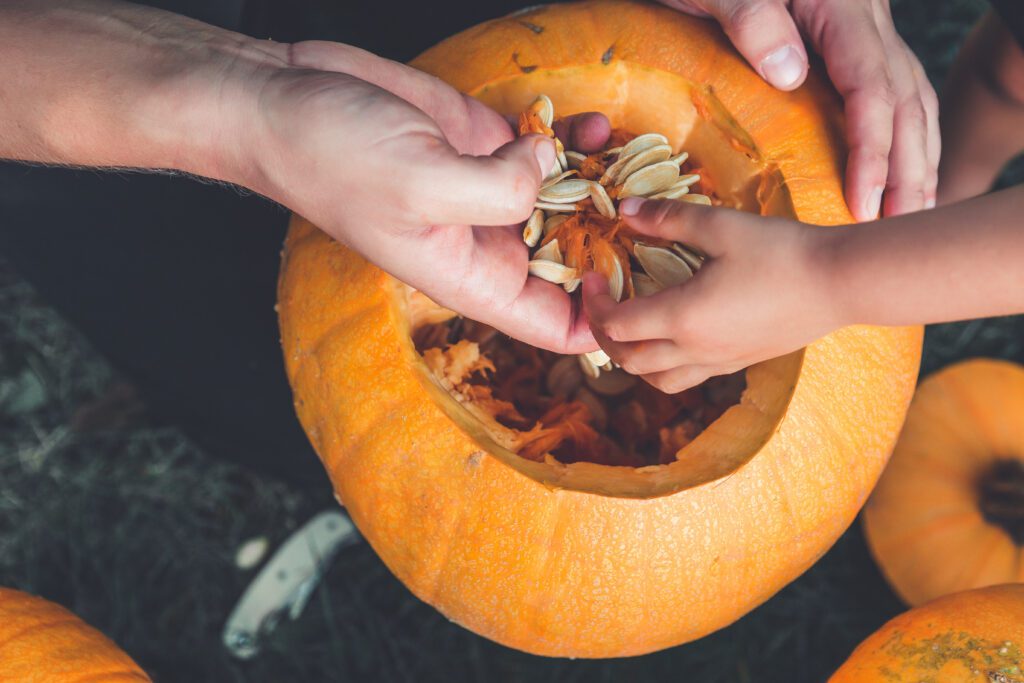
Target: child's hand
763 291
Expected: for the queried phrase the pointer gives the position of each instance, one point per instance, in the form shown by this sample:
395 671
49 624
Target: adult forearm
962 261
102 83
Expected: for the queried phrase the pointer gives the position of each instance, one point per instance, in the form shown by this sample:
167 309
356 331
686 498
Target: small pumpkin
573 557
970 637
948 513
41 641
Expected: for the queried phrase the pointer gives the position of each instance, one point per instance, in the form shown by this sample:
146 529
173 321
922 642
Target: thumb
764 33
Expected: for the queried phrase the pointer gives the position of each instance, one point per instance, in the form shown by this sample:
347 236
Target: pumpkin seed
648 157
692 258
572 285
680 158
642 142
553 222
534 228
602 202
575 159
688 180
565 192
612 173
616 282
548 182
588 367
594 405
613 151
650 180
645 285
545 109
555 207
663 265
599 358
701 199
551 271
674 192
564 377
612 383
549 252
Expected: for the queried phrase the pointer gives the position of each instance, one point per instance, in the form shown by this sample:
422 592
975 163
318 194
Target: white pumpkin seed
555 207
688 180
575 159
616 283
599 358
692 258
565 192
572 285
534 228
554 221
588 367
642 142
612 383
674 192
613 151
549 252
647 157
546 111
612 173
548 182
650 180
552 271
663 265
564 377
701 199
680 158
602 202
645 285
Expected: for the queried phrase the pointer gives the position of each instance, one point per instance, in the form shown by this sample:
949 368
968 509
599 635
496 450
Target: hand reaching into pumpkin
417 177
891 108
772 285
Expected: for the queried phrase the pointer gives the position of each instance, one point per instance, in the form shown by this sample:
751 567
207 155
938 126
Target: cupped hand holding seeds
759 294
425 182
891 108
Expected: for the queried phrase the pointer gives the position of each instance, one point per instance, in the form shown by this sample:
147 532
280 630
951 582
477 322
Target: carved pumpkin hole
1002 497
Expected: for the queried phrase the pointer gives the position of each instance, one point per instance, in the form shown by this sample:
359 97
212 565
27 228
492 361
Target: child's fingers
934 136
679 379
696 225
632 320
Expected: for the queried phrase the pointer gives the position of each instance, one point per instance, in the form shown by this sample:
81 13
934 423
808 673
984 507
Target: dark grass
136 530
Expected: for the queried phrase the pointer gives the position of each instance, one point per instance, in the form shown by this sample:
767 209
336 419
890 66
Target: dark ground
135 528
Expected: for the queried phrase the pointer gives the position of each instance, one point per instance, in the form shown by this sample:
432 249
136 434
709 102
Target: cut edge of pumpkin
695 120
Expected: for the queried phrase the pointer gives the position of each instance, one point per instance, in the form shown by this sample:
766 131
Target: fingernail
929 203
783 68
544 152
630 206
873 204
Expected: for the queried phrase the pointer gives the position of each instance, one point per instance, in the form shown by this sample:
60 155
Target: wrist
829 259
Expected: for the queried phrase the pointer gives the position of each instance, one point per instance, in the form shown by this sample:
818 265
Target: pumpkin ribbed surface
41 642
971 637
582 559
948 513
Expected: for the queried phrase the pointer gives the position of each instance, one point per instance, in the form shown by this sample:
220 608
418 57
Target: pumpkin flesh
582 559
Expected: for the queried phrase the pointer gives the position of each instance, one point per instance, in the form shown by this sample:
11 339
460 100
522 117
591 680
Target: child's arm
982 111
772 285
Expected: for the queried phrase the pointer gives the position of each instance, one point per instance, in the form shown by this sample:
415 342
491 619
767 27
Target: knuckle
614 330
746 16
519 195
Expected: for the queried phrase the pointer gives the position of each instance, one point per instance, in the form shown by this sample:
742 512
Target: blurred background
109 509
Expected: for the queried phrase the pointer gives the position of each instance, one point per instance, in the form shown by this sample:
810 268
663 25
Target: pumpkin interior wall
639 101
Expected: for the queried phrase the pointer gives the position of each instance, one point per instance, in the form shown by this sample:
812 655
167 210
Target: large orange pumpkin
948 514
971 637
581 559
41 641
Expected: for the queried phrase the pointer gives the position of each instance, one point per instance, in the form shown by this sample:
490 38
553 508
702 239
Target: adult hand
891 108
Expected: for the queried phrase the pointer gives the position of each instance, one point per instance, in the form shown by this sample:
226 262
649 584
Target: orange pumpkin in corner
634 521
41 641
971 637
948 513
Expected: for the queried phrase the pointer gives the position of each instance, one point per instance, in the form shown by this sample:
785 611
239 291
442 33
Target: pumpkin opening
1002 497
538 409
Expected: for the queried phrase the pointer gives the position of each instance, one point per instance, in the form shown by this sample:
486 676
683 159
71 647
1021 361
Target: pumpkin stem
1002 497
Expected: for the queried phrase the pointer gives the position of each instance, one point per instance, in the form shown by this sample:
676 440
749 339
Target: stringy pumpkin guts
539 404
